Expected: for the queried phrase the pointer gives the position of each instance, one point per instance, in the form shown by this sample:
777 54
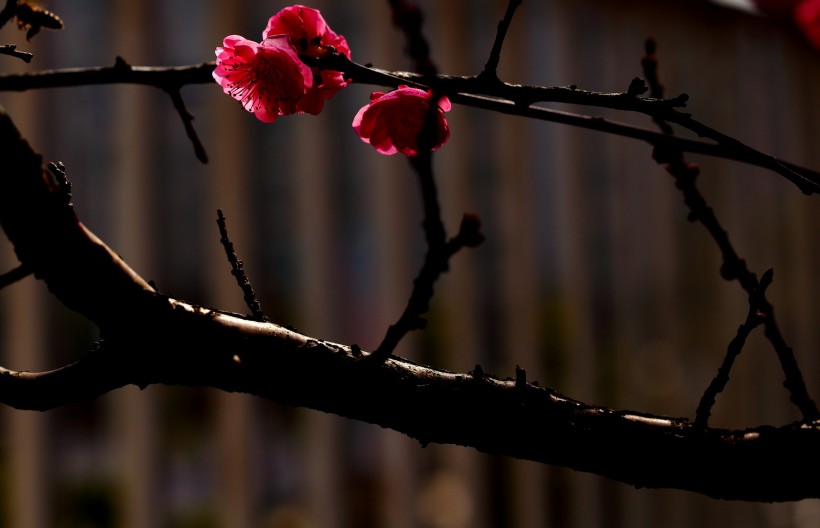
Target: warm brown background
591 278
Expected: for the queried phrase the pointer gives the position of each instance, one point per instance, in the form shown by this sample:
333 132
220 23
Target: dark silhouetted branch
733 266
188 122
237 270
491 67
469 91
17 274
11 49
753 319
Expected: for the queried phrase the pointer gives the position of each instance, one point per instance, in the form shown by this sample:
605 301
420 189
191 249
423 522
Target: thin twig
733 267
439 249
491 68
408 17
17 274
236 270
57 169
11 50
187 121
436 262
649 63
754 318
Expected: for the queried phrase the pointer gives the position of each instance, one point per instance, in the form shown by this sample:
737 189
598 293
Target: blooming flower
268 78
310 35
393 121
807 18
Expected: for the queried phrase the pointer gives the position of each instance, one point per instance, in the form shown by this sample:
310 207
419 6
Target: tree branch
12 276
754 318
491 68
11 50
733 267
469 91
238 271
207 348
150 338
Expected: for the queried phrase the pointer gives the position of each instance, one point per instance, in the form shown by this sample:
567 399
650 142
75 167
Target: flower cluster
270 79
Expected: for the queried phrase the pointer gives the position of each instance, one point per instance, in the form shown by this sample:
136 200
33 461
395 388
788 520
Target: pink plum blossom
807 18
310 35
393 121
268 78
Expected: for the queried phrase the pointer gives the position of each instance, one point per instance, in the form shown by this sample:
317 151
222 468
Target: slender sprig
408 18
754 318
491 68
238 271
11 50
470 91
17 274
733 267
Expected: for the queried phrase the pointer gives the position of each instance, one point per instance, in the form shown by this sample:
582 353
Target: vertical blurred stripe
24 346
518 279
134 412
25 446
231 167
393 210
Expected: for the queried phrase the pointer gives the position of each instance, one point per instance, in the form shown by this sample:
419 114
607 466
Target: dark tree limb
521 420
469 91
153 339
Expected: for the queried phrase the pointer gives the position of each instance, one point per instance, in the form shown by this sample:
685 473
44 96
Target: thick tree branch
205 348
149 338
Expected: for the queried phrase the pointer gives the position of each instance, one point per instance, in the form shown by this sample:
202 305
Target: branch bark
474 91
149 338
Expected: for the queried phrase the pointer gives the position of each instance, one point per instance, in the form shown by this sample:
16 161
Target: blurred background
591 278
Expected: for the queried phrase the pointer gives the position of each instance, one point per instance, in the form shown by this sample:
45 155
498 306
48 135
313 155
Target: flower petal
393 122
